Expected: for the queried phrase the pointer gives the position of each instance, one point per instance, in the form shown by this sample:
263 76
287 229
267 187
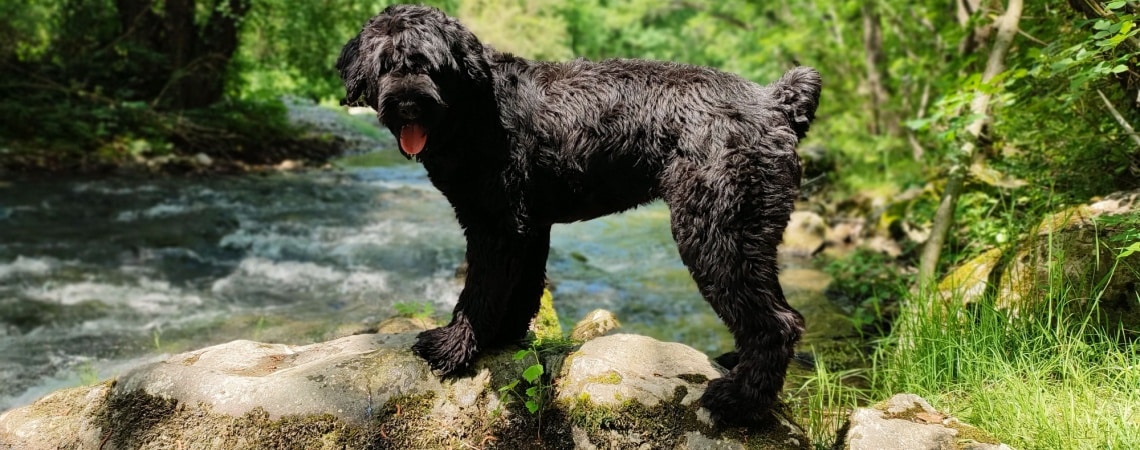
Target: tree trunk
873 58
196 56
944 217
976 36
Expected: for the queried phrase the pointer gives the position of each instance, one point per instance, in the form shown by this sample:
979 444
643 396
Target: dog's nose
409 110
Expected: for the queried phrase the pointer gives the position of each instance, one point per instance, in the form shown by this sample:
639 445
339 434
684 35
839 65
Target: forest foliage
102 80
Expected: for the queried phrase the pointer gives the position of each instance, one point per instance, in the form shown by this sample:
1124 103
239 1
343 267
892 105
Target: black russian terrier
518 145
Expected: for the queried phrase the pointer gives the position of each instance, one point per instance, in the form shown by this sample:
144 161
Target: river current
98 276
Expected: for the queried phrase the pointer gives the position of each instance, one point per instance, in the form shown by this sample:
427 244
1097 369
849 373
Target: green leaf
531 406
1128 251
532 391
1115 5
918 124
521 354
1119 68
532 373
509 386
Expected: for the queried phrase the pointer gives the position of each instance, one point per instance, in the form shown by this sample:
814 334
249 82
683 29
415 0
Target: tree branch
944 217
1120 119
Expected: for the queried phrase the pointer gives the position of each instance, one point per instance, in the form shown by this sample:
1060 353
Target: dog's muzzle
409 105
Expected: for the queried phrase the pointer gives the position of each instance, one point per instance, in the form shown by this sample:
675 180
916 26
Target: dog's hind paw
446 349
730 403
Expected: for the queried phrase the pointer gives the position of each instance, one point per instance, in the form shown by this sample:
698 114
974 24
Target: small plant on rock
535 393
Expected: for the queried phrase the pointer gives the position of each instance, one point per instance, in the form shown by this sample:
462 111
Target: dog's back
579 108
603 132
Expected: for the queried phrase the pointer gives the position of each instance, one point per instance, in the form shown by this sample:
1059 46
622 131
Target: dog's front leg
496 262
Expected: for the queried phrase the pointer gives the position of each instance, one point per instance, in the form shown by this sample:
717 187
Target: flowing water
98 276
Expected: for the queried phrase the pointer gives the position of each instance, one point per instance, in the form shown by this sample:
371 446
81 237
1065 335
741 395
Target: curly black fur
518 145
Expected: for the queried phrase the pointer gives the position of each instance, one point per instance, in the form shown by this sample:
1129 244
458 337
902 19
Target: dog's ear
798 90
354 74
467 51
474 62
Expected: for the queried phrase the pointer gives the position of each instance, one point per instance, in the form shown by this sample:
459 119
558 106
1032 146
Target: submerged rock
908 422
371 391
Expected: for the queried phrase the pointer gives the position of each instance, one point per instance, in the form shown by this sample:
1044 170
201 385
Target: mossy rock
370 391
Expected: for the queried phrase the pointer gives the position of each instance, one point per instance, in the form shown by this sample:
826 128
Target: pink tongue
413 137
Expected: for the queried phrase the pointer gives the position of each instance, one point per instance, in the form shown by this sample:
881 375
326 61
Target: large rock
804 235
1078 247
969 281
370 391
908 422
629 391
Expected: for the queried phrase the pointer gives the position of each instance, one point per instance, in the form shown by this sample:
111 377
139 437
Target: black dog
518 145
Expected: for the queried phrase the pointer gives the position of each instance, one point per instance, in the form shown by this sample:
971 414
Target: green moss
609 377
966 433
694 378
546 325
137 419
666 423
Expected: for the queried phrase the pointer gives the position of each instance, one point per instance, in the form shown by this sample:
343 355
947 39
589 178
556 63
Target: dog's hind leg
727 220
496 264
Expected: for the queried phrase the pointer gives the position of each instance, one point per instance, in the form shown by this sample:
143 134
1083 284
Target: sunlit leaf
1128 251
532 373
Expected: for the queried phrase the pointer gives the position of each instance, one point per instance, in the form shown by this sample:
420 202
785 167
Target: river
100 275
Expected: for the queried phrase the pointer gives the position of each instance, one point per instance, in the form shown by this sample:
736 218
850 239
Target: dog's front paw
731 403
446 349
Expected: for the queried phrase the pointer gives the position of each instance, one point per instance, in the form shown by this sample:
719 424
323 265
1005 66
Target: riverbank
280 135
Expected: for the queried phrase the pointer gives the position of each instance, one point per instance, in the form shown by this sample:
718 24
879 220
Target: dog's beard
413 138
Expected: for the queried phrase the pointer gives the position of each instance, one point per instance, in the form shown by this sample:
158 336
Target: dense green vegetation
921 97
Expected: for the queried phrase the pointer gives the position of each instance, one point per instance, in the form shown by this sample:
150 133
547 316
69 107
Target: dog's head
413 65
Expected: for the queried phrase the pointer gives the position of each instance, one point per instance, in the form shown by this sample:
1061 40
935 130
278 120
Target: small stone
288 165
597 323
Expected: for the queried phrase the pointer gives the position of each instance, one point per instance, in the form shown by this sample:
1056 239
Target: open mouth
413 138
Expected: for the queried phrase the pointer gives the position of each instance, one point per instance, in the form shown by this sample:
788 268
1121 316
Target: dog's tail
798 91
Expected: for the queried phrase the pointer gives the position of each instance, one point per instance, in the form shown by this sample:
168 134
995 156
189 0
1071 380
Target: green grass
1044 379
825 399
1052 376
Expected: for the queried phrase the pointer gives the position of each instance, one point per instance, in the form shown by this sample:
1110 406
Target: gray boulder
630 391
370 391
908 422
